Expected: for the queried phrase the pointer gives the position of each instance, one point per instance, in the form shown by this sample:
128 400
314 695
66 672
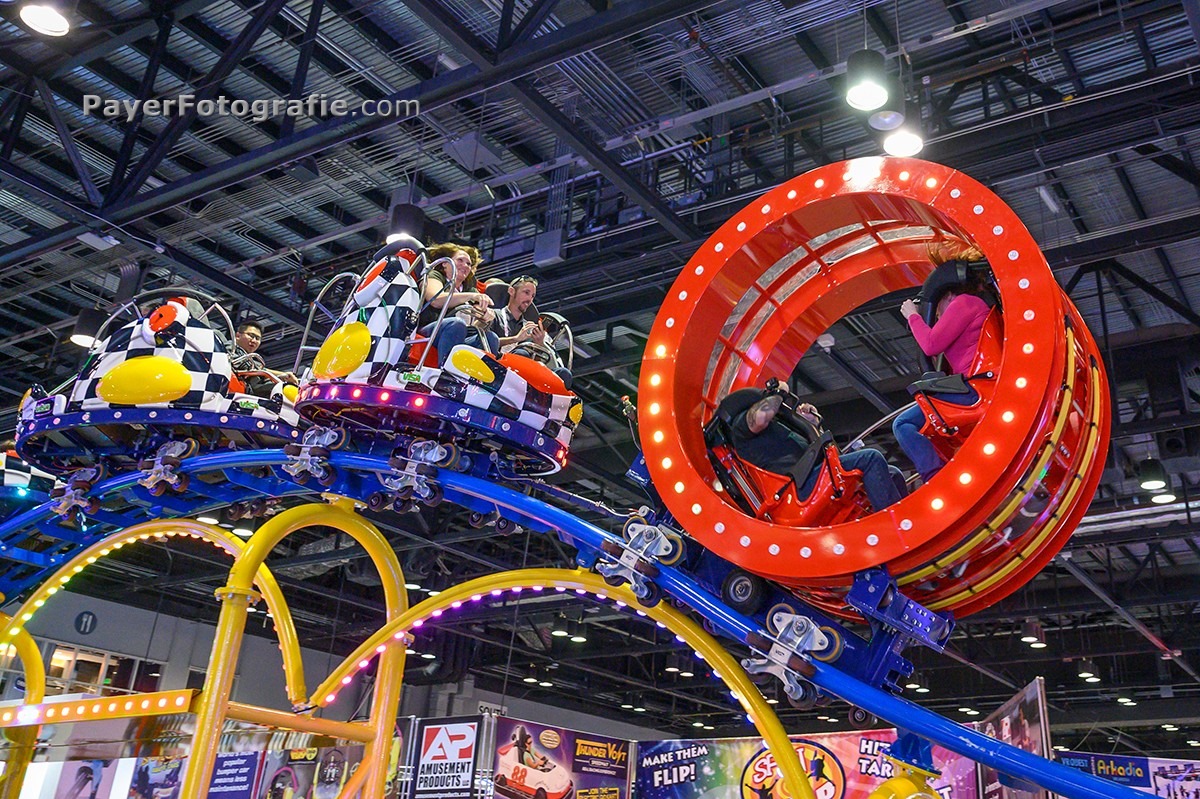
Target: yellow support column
24 739
211 704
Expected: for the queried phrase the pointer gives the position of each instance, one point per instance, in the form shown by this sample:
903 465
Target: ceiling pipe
1167 652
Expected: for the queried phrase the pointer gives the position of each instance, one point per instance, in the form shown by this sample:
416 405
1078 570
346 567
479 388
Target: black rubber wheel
172 461
744 592
630 521
397 463
193 446
449 459
653 598
807 699
377 501
672 557
476 519
426 470
505 526
341 438
258 507
292 450
501 780
435 496
182 484
92 506
614 580
329 477
404 506
860 719
55 493
236 511
302 478
145 464
781 607
318 452
540 793
158 489
404 492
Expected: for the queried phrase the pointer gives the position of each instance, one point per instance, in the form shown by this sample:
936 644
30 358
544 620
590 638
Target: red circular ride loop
777 275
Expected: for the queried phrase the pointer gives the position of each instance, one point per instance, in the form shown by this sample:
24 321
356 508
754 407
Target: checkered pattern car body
507 394
204 355
386 301
16 473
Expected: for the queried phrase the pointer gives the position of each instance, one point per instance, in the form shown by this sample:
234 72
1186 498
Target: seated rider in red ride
959 317
793 444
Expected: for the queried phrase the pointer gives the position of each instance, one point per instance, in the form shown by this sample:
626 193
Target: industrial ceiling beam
458 37
617 23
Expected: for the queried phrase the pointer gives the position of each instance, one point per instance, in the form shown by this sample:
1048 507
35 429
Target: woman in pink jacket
955 333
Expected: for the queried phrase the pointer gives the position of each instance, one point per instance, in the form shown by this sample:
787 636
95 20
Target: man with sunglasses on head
510 323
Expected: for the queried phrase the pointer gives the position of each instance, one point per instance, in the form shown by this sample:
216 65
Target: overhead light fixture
891 114
242 531
531 677
406 220
46 17
1033 634
1088 671
207 519
1152 475
1166 496
559 626
866 80
904 142
87 325
673 662
575 628
913 683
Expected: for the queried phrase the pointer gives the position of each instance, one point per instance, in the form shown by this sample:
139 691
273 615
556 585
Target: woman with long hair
955 333
450 285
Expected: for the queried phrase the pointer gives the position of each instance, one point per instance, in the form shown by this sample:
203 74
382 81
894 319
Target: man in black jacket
792 443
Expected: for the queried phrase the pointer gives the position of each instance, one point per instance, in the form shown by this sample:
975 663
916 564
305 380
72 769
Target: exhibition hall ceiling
595 145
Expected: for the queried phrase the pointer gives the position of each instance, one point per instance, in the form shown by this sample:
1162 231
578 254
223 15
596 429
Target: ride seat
416 347
837 496
947 425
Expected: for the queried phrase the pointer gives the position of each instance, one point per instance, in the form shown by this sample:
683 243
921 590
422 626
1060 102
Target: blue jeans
454 331
907 429
877 477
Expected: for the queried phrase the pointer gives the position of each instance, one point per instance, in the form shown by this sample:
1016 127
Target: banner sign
1170 779
534 760
235 775
1022 722
840 766
288 773
447 755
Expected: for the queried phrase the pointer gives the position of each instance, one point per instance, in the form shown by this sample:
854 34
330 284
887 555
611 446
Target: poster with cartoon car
534 761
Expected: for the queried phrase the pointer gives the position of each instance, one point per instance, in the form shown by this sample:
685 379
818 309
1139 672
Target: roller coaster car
947 424
838 495
160 380
374 373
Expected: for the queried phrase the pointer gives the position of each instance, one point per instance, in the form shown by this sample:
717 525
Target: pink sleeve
937 339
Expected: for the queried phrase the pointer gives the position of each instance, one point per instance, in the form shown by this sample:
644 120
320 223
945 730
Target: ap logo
449 742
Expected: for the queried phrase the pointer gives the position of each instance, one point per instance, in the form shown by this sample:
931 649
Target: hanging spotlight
1166 496
408 220
672 666
904 142
1152 475
1033 634
575 628
87 325
559 627
531 677
891 114
1087 670
46 17
866 80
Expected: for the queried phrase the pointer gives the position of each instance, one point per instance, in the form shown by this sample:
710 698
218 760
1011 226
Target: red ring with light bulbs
778 274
